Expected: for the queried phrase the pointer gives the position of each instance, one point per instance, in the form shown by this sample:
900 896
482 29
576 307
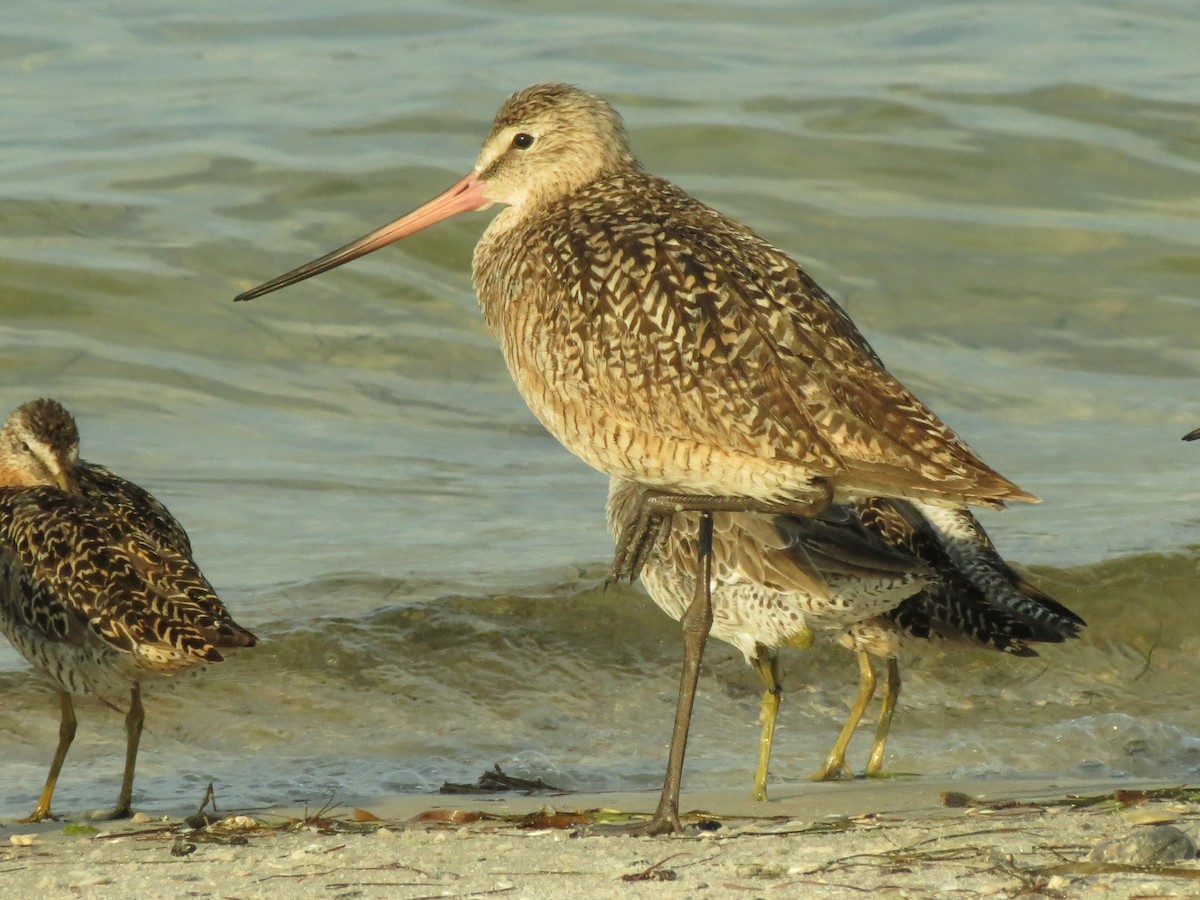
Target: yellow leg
766 663
891 693
133 736
66 734
835 766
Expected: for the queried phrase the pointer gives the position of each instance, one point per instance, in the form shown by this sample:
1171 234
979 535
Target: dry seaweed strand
1087 867
655 871
387 867
1120 797
503 890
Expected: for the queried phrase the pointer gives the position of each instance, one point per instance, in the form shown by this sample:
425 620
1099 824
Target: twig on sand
655 872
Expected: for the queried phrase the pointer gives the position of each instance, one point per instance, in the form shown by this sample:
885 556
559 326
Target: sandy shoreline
898 836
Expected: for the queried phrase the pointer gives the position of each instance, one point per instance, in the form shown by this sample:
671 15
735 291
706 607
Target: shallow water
1003 196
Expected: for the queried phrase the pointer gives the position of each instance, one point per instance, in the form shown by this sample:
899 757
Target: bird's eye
522 141
25 447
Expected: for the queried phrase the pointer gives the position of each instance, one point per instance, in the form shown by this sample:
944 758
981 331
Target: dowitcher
892 579
98 589
972 598
668 345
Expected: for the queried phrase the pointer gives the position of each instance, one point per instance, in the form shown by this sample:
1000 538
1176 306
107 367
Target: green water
1004 196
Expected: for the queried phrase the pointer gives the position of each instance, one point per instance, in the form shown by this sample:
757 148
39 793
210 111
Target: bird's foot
636 540
40 815
653 827
111 815
832 771
664 821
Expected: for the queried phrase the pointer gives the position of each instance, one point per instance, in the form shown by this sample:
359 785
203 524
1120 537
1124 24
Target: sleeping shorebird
894 581
668 345
98 589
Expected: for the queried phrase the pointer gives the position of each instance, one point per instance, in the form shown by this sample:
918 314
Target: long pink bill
464 196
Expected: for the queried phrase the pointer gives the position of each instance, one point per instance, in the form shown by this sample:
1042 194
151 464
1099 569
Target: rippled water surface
1004 196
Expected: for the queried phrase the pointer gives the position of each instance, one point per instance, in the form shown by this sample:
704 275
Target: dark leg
66 734
696 622
133 736
634 544
835 766
891 693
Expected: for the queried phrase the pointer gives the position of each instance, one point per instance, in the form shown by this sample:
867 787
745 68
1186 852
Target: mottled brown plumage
97 586
670 346
894 578
681 352
667 344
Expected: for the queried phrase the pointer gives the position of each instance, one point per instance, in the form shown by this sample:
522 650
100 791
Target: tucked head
39 445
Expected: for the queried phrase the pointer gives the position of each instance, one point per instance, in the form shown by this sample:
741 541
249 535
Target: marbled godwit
668 345
891 579
97 586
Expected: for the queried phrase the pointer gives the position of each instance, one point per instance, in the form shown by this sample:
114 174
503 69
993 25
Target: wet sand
909 836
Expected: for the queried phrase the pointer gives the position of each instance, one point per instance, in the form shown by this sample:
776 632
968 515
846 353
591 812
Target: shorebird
894 582
1192 435
98 589
668 345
